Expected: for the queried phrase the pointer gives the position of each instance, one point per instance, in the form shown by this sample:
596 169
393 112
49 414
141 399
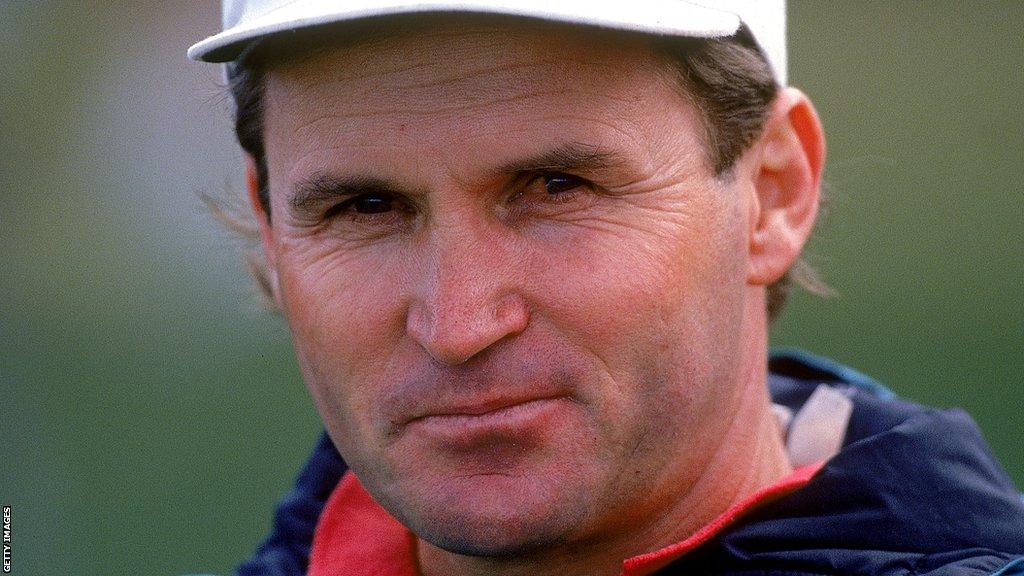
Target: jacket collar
357 537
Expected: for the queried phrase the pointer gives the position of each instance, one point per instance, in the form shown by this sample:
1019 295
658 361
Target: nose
467 299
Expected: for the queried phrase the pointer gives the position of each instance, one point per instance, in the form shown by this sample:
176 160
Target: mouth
501 416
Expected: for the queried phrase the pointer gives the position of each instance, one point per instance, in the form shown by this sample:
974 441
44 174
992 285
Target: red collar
356 537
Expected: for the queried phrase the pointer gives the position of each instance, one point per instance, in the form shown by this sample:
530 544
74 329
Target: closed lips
481 411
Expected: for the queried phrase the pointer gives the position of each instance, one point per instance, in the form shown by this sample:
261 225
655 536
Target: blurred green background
151 414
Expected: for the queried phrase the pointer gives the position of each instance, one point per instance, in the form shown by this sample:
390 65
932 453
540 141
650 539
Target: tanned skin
530 315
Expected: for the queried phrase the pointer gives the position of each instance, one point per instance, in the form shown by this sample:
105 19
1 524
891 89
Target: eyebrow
311 192
320 187
573 156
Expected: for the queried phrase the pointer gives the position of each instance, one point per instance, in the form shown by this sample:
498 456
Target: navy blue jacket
914 491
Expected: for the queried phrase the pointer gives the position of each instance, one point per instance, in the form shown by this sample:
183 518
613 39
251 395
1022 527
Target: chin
493 537
493 516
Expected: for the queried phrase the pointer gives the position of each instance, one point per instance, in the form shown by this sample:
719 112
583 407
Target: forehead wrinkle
354 89
448 44
454 97
417 60
418 82
408 61
411 105
410 113
617 132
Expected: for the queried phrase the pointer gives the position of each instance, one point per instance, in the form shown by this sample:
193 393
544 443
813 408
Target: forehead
463 80
449 43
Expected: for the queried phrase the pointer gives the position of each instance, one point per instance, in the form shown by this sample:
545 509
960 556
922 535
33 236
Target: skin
536 226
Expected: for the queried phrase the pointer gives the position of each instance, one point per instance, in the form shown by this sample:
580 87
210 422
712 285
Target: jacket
912 491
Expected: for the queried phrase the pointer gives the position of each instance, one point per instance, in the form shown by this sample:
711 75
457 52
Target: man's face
517 291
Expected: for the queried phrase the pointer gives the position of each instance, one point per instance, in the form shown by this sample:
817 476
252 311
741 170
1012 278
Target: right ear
252 182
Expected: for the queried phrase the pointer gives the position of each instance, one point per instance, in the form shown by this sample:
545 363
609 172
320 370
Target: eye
552 188
365 204
558 183
371 203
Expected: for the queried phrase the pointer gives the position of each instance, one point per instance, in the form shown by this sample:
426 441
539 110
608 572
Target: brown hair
727 79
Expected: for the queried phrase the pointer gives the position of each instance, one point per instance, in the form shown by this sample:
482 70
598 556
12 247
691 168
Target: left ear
787 181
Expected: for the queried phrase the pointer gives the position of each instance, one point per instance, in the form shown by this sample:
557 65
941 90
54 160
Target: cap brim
664 17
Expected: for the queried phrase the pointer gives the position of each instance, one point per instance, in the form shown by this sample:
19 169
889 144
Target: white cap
246 21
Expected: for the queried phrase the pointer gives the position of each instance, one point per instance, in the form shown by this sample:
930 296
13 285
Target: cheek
658 277
345 318
659 302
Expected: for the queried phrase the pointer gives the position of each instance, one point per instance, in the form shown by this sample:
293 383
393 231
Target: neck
749 456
